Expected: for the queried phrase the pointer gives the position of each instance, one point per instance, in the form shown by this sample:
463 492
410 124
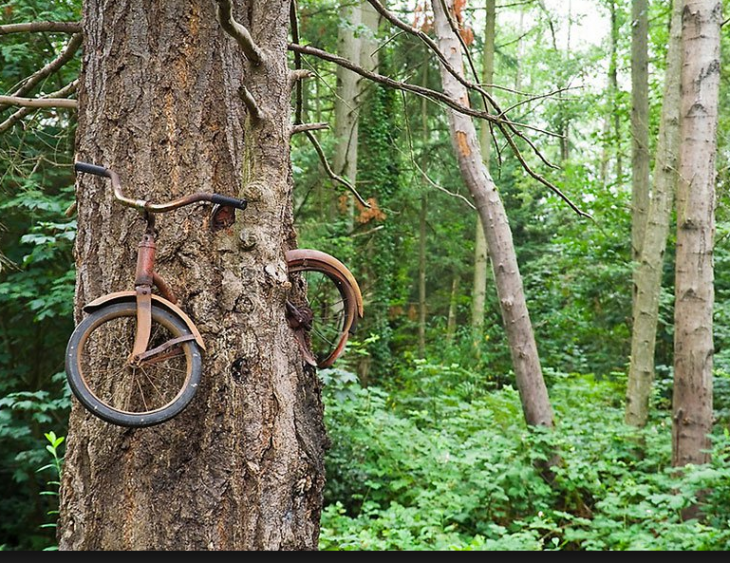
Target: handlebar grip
92 169
229 201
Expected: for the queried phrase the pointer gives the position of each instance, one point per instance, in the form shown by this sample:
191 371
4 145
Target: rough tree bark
242 467
528 372
648 277
694 281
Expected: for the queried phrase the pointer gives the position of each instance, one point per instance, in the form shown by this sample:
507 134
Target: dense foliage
429 450
465 478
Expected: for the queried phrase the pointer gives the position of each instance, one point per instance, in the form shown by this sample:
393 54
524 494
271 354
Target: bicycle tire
327 337
107 334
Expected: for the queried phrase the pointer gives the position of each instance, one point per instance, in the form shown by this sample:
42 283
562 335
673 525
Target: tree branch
413 88
239 32
330 172
29 108
42 102
65 56
303 127
60 27
248 100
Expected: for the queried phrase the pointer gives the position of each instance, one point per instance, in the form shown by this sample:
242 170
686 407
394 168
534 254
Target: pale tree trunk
481 256
520 49
423 232
639 124
346 94
453 304
369 60
648 276
422 306
694 282
528 372
612 120
370 19
242 467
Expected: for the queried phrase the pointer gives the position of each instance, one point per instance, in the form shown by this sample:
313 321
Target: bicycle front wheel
331 298
132 393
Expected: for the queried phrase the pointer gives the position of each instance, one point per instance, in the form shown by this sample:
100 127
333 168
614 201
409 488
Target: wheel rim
331 311
152 386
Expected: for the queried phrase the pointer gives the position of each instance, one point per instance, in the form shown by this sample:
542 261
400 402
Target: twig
32 27
30 82
239 32
330 172
426 177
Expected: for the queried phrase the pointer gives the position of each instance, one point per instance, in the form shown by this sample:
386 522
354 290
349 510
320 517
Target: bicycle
146 350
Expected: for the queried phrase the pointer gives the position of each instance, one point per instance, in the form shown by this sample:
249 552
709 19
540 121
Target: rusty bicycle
136 359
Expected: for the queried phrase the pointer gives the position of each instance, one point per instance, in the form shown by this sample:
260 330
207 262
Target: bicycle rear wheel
330 300
126 393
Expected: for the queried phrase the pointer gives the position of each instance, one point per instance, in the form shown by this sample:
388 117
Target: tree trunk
422 306
639 124
612 122
453 304
481 256
648 276
369 59
528 372
242 467
346 102
694 289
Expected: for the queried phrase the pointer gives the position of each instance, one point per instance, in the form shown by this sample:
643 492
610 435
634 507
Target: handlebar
143 205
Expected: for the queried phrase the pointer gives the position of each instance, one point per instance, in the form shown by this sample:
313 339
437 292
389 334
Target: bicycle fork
145 279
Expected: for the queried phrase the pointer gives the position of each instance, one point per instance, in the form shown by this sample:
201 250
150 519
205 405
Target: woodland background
429 445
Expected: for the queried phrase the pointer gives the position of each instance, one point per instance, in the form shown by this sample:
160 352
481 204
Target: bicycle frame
145 276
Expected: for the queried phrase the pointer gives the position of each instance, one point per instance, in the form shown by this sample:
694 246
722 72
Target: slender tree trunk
612 121
422 305
369 59
481 256
694 282
242 467
525 359
453 303
370 19
639 124
648 276
346 98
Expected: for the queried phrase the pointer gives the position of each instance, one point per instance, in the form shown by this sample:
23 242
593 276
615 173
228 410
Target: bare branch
38 102
239 32
415 89
60 27
65 56
302 127
30 108
330 172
